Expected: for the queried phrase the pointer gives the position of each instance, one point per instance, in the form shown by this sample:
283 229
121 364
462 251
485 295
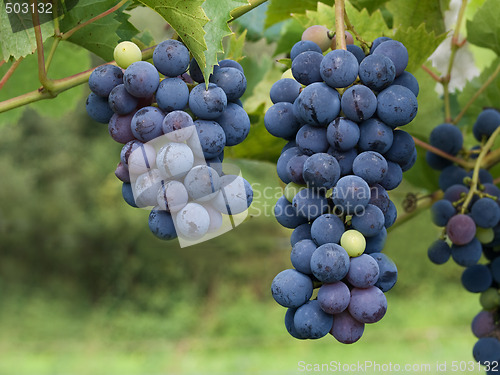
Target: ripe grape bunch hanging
341 114
168 161
470 216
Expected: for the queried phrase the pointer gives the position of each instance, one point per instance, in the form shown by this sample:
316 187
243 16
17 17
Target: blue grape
119 128
409 81
301 255
310 203
377 42
483 324
312 140
436 162
351 194
282 163
235 197
302 232
289 145
441 212
291 288
487 351
486 123
306 66
317 105
171 58
342 134
146 189
377 72
120 101
312 322
161 224
379 197
121 172
290 326
369 222
375 244
402 149
192 221
395 51
346 329
321 171
397 106
358 103
451 175
231 80
363 271
468 254
339 68
227 63
370 166
485 177
98 108
280 121
180 124
285 90
492 190
327 228
344 158
147 124
407 164
172 94
374 135
485 212
390 215
128 194
393 177
388 272
439 252
447 137
295 169
367 305
216 164
141 79
207 104
356 51
477 278
236 124
104 79
330 263
334 298
303 46
455 192
172 196
212 137
202 182
286 214
195 71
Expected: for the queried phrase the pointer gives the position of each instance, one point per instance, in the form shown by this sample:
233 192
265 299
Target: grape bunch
174 132
340 112
470 216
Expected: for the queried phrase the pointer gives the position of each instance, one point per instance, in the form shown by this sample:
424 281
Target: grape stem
9 72
421 206
476 95
350 27
339 24
443 154
433 75
238 12
475 175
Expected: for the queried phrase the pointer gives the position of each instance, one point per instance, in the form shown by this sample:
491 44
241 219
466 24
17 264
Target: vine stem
42 73
491 159
350 27
51 53
477 167
340 24
433 75
238 12
441 153
9 72
2 62
476 95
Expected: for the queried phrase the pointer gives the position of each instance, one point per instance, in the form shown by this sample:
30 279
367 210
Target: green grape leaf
484 29
21 43
68 60
280 10
234 49
290 34
412 13
101 36
219 13
253 22
420 44
187 18
488 98
370 5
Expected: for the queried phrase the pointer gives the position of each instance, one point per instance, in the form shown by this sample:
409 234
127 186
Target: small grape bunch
339 112
174 132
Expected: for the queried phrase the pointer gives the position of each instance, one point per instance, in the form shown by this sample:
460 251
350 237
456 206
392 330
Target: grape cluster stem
339 24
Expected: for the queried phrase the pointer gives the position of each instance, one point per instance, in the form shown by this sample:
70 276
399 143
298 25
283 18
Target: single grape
363 271
286 214
342 134
161 224
346 329
334 298
231 80
377 72
339 68
202 183
409 81
379 197
356 51
468 254
127 53
486 123
393 177
195 71
321 171
442 211
285 90
319 35
390 215
483 324
295 169
128 194
121 172
388 272
192 221
351 194
211 136
207 104
455 192
327 228
312 322
358 103
317 105
477 278
461 229
290 326
141 79
370 166
369 222
312 140
235 123
377 42
302 232
485 235
303 46
306 67
407 164
178 126
171 58
172 196
397 105
147 124
376 243
487 351
291 288
436 162
282 163
300 255
104 79
172 94
447 137
146 188
374 135
310 203
485 212
120 101
367 305
485 177
353 242
119 128
330 263
98 108
451 175
402 149
280 121
344 158
395 51
174 160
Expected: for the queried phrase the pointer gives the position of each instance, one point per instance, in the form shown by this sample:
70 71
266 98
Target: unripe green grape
287 74
485 235
348 40
353 242
490 299
127 53
319 35
291 190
